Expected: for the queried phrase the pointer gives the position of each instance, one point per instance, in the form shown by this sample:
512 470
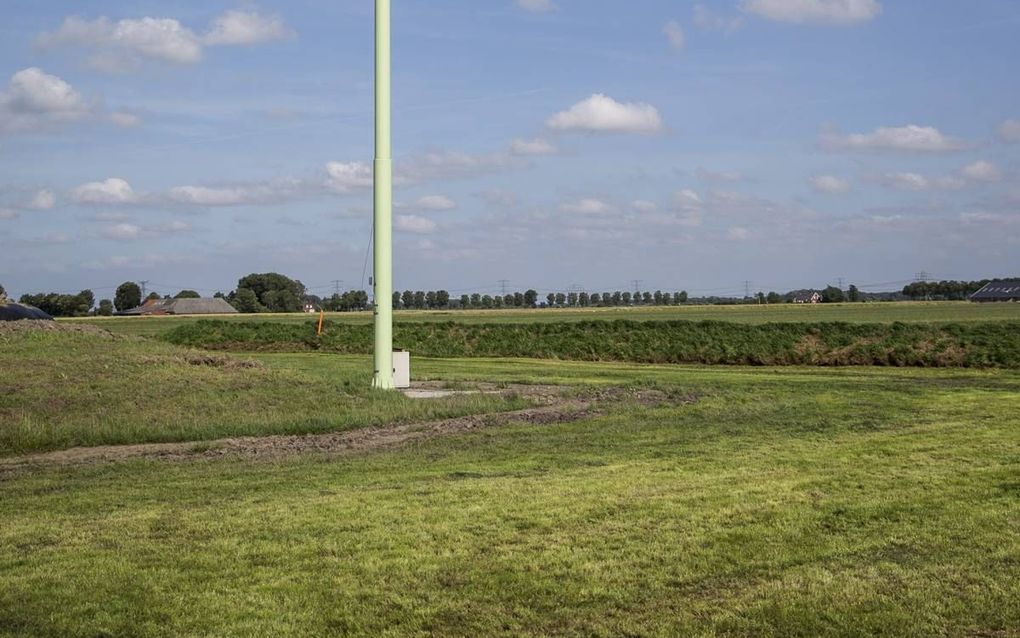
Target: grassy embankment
992 344
785 502
64 389
909 312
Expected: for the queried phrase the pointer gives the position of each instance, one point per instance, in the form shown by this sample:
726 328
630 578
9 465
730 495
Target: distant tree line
62 305
421 300
617 298
273 292
350 301
526 299
944 290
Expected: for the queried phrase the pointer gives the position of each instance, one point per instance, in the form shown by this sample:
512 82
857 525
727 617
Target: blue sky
689 145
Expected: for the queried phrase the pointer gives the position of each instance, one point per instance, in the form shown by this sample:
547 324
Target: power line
503 284
142 285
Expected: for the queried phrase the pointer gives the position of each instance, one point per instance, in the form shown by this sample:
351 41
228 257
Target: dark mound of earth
17 311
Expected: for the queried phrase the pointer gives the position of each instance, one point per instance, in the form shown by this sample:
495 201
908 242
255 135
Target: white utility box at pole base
401 369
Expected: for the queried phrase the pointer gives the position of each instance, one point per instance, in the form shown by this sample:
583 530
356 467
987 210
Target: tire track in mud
557 409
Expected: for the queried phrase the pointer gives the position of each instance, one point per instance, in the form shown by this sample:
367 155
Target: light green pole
383 240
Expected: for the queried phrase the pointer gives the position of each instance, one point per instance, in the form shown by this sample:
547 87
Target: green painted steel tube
383 239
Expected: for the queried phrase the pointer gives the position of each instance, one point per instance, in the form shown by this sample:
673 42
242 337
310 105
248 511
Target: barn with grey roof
202 306
1002 290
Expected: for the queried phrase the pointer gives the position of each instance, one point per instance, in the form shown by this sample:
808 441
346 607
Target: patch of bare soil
555 407
202 358
35 325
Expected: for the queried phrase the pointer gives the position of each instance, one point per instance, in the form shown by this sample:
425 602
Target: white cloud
122 45
172 226
981 171
205 196
674 34
124 119
719 176
348 177
738 233
603 114
912 138
829 184
123 232
110 216
587 206
834 12
34 101
983 217
435 203
449 165
42 200
110 191
907 181
1009 131
414 224
975 172
687 200
129 232
245 27
7 213
537 6
55 238
705 18
243 194
644 206
688 207
537 146
499 197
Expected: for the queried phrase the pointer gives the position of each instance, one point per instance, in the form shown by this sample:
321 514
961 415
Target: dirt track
559 409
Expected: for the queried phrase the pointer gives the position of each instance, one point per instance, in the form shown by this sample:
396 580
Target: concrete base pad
432 394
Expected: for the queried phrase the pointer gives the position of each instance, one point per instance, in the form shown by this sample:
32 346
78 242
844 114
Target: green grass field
942 312
61 390
783 502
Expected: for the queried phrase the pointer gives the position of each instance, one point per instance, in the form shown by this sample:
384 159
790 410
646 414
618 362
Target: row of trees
350 301
62 305
526 299
273 292
421 300
947 290
618 298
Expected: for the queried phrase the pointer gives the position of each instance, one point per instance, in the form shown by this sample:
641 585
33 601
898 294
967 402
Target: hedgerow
990 344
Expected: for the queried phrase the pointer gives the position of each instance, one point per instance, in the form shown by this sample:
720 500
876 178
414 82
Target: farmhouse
203 306
813 297
1005 290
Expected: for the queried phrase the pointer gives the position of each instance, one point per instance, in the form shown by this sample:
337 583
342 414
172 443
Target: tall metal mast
383 238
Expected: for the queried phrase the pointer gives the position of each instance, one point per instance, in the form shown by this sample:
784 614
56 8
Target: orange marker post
322 314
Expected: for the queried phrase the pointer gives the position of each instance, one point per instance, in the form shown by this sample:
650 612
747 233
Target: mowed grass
65 389
943 312
784 502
